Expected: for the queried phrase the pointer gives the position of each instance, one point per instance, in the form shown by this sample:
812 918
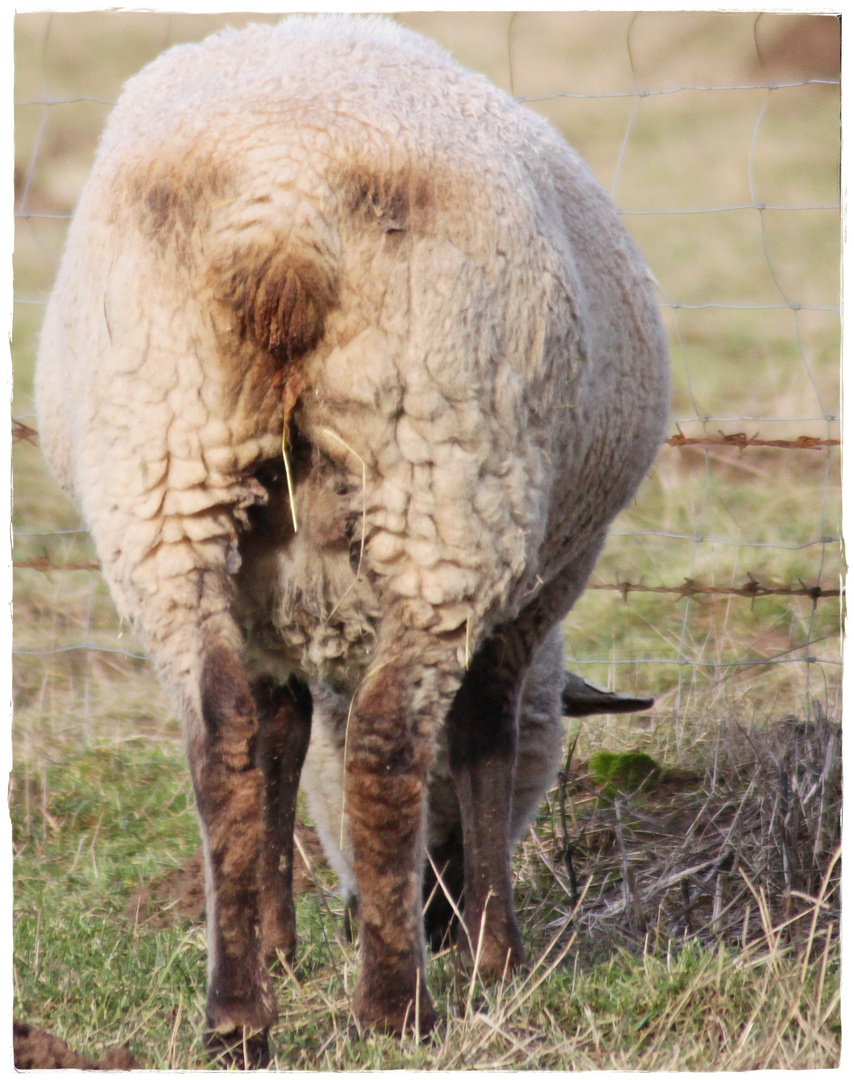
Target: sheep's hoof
393 1017
237 1024
498 960
240 1048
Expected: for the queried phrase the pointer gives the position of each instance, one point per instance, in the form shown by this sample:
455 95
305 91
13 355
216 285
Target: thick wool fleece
349 364
330 216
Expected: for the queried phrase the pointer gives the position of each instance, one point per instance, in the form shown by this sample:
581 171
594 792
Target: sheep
349 363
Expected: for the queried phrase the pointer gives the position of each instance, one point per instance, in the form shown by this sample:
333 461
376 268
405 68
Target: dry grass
691 926
688 857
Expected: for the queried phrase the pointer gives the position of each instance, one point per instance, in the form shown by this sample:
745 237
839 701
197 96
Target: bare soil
38 1049
180 894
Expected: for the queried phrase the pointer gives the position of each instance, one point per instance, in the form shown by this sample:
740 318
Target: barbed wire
741 441
690 588
752 590
738 439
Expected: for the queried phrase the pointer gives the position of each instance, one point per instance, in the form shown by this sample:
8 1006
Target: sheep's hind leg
389 752
284 718
482 730
229 793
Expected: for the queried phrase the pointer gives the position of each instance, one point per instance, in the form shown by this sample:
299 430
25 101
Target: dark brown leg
482 735
284 717
229 792
389 754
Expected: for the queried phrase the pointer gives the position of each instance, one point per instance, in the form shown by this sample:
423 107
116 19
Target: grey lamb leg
284 714
482 736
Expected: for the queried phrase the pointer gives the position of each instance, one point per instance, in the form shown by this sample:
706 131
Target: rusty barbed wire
738 439
689 589
43 563
22 432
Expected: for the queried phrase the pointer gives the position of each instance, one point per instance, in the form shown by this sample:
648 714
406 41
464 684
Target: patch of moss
623 772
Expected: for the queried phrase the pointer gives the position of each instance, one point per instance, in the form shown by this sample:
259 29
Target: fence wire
718 137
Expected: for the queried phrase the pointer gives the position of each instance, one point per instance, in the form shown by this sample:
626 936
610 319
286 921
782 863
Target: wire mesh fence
719 591
718 137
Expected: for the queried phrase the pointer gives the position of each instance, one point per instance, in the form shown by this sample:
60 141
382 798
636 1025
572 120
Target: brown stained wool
387 765
279 306
230 794
171 197
397 201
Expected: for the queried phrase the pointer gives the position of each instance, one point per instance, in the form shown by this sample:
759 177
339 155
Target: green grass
100 800
92 827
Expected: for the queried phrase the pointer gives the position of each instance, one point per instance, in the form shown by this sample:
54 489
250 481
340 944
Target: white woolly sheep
349 364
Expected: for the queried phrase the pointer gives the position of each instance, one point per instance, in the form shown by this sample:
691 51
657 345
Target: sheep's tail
276 268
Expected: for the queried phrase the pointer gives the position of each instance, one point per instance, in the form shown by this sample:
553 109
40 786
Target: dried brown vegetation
746 841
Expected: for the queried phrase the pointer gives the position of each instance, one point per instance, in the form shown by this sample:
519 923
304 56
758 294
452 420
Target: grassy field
690 925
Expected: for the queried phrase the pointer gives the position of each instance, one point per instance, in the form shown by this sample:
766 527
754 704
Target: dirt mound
181 893
799 46
37 1049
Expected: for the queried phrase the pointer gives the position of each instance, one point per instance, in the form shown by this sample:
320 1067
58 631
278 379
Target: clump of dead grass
687 857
